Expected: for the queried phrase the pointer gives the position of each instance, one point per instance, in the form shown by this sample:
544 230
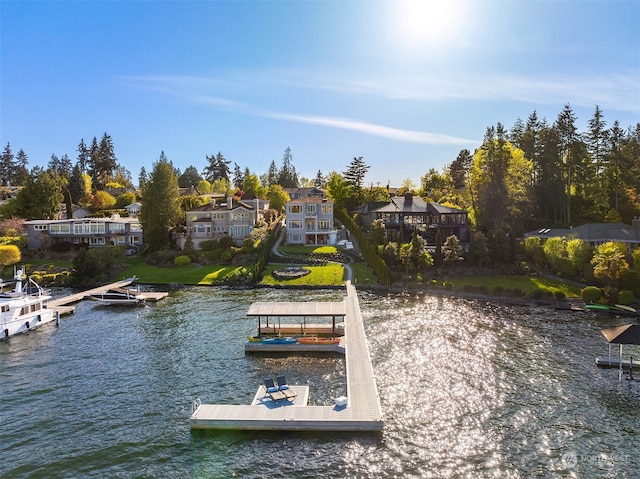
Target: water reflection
468 389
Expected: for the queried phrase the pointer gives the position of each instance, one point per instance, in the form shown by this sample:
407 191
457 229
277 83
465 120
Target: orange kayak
316 340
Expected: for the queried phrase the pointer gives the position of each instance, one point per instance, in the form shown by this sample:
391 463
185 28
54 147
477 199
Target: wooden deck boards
363 412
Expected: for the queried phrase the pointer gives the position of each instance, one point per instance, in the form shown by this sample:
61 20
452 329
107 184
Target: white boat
119 296
24 307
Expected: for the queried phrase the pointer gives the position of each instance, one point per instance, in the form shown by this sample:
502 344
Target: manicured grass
188 274
525 283
301 249
329 275
362 274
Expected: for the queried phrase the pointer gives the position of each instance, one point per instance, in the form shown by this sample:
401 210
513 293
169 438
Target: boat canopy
320 308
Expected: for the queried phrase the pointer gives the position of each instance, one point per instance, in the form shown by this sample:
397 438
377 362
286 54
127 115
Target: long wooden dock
362 412
63 304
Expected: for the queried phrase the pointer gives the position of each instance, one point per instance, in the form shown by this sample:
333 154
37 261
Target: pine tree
287 176
77 187
41 196
7 165
238 177
21 170
272 174
356 172
217 168
84 156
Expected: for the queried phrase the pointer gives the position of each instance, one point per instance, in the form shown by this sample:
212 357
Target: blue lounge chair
272 390
284 388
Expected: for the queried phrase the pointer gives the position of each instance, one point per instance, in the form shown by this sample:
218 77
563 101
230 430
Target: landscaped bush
483 289
498 290
625 297
182 260
537 294
448 285
591 294
517 292
559 295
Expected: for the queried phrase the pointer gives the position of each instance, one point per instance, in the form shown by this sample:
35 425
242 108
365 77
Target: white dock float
362 413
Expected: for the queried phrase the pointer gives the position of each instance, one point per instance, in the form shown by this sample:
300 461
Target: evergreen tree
84 156
21 170
320 180
41 196
238 177
143 177
103 162
356 172
459 169
7 165
77 187
272 174
189 178
160 211
287 176
217 168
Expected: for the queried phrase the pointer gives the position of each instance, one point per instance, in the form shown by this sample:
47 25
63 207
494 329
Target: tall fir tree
160 211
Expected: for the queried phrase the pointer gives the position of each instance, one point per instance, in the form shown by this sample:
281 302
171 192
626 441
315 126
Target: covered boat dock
301 310
362 411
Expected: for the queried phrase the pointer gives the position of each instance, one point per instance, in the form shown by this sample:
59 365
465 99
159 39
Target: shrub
625 297
182 260
537 294
483 289
559 295
498 290
517 292
591 294
448 285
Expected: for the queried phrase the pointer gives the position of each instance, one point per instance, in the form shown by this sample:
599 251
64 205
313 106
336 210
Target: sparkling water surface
468 389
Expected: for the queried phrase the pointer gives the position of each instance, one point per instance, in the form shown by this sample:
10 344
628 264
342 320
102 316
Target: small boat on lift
24 307
119 296
254 339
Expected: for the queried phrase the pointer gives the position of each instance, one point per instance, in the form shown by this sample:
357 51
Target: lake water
468 389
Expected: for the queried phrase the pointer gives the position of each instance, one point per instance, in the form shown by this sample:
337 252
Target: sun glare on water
427 24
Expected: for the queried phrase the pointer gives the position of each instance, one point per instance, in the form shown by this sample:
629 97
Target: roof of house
414 204
311 199
593 232
235 204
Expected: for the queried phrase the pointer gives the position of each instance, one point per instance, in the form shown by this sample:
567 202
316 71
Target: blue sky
406 85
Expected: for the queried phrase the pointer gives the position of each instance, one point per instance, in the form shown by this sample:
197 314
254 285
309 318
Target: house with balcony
233 218
305 192
80 232
407 213
310 221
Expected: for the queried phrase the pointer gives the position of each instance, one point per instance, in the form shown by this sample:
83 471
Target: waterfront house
596 233
234 218
310 221
405 213
78 232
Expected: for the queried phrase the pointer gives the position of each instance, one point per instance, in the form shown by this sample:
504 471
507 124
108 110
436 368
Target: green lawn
525 283
301 249
363 274
189 274
329 275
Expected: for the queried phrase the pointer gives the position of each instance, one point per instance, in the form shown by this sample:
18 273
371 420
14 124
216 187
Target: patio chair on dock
272 390
284 388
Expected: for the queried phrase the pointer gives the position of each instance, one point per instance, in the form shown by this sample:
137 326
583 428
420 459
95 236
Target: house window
135 227
324 224
295 209
96 241
294 238
116 228
40 227
60 229
327 209
311 209
295 224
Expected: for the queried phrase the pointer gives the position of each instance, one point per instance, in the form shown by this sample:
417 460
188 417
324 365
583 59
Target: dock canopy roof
323 308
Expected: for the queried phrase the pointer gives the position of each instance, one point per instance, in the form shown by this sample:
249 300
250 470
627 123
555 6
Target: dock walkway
62 305
362 412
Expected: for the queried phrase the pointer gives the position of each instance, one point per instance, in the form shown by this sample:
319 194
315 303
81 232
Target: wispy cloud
382 131
185 87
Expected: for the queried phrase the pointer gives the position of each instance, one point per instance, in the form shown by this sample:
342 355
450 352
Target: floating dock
63 304
612 363
362 412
